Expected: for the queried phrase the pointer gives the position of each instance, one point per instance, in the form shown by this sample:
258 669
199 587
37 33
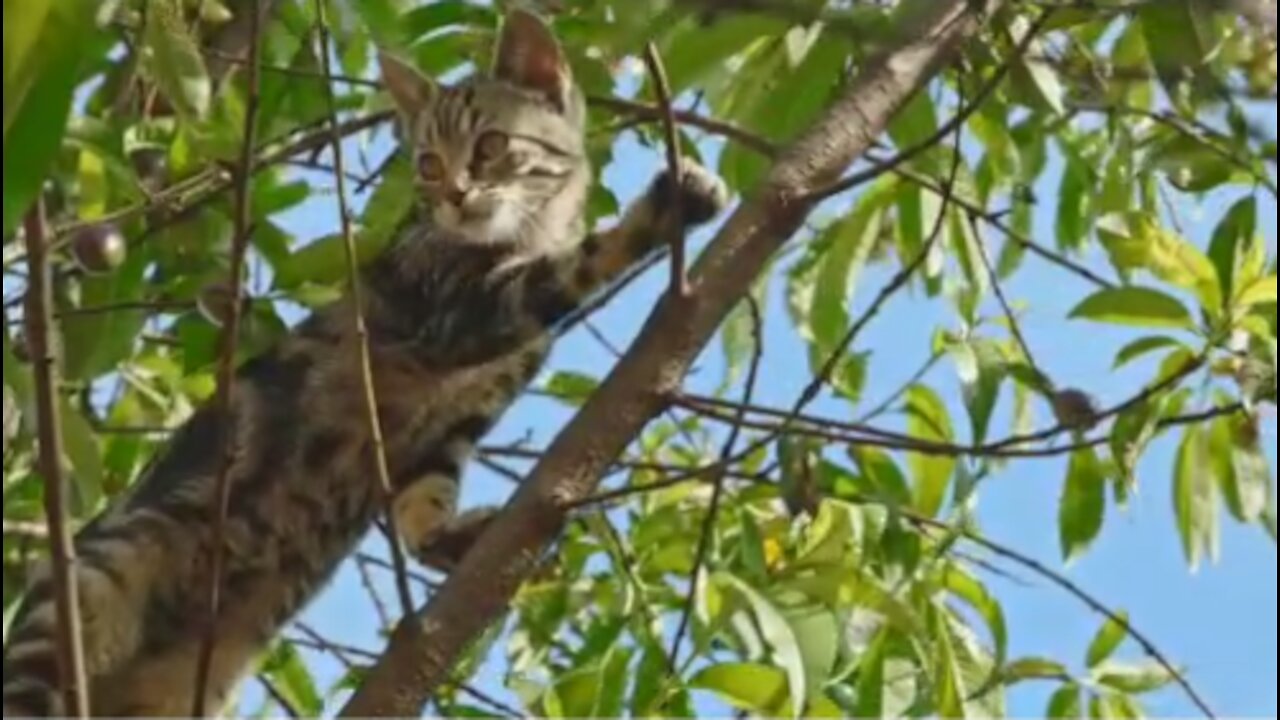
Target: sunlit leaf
1107 641
929 421
1140 307
1084 504
1133 678
1195 496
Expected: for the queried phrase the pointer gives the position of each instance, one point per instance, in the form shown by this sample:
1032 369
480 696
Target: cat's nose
455 195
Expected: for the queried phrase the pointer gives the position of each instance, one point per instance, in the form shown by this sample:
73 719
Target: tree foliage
776 560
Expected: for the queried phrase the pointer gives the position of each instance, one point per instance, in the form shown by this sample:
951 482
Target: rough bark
423 649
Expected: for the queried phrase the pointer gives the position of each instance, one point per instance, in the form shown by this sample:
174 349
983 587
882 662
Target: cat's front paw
444 549
703 195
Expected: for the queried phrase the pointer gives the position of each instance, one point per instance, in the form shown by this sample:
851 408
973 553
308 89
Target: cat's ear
411 90
529 57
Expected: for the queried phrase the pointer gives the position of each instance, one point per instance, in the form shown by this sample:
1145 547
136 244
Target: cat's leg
426 502
555 287
113 574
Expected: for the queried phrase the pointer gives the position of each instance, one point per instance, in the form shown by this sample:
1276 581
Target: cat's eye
492 145
431 167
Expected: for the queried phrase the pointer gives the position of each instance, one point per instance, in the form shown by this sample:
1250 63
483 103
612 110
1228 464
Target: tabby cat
461 311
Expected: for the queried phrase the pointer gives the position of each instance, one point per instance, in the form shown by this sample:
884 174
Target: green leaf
1038 83
1179 37
1192 164
848 244
949 693
1107 641
175 60
1067 703
650 676
1233 234
880 468
1135 306
47 46
1136 679
780 637
1246 479
1260 292
572 388
928 420
1026 669
83 450
1073 205
383 19
748 686
597 690
817 631
870 687
1141 348
94 344
1194 496
972 592
288 675
1084 504
827 540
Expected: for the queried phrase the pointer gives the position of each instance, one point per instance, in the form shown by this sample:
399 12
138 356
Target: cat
461 313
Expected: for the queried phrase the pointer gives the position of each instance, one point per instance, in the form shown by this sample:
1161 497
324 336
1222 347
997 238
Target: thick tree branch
423 649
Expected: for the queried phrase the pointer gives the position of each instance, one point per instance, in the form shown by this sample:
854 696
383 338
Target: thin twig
996 221
1015 327
1071 588
836 431
896 285
477 694
229 342
374 561
649 113
284 703
361 330
717 494
44 356
675 168
879 410
366 581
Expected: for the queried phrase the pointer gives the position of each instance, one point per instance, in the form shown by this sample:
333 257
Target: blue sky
1219 623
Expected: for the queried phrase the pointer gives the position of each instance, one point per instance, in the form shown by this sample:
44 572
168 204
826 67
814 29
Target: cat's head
500 157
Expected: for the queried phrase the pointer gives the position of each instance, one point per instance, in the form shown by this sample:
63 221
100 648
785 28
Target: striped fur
461 314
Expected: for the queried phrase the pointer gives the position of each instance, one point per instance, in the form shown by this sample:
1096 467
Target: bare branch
717 495
44 356
650 113
224 400
675 166
1071 588
361 330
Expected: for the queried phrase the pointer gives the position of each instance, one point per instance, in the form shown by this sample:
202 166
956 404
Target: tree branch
675 165
44 357
424 648
372 418
224 400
